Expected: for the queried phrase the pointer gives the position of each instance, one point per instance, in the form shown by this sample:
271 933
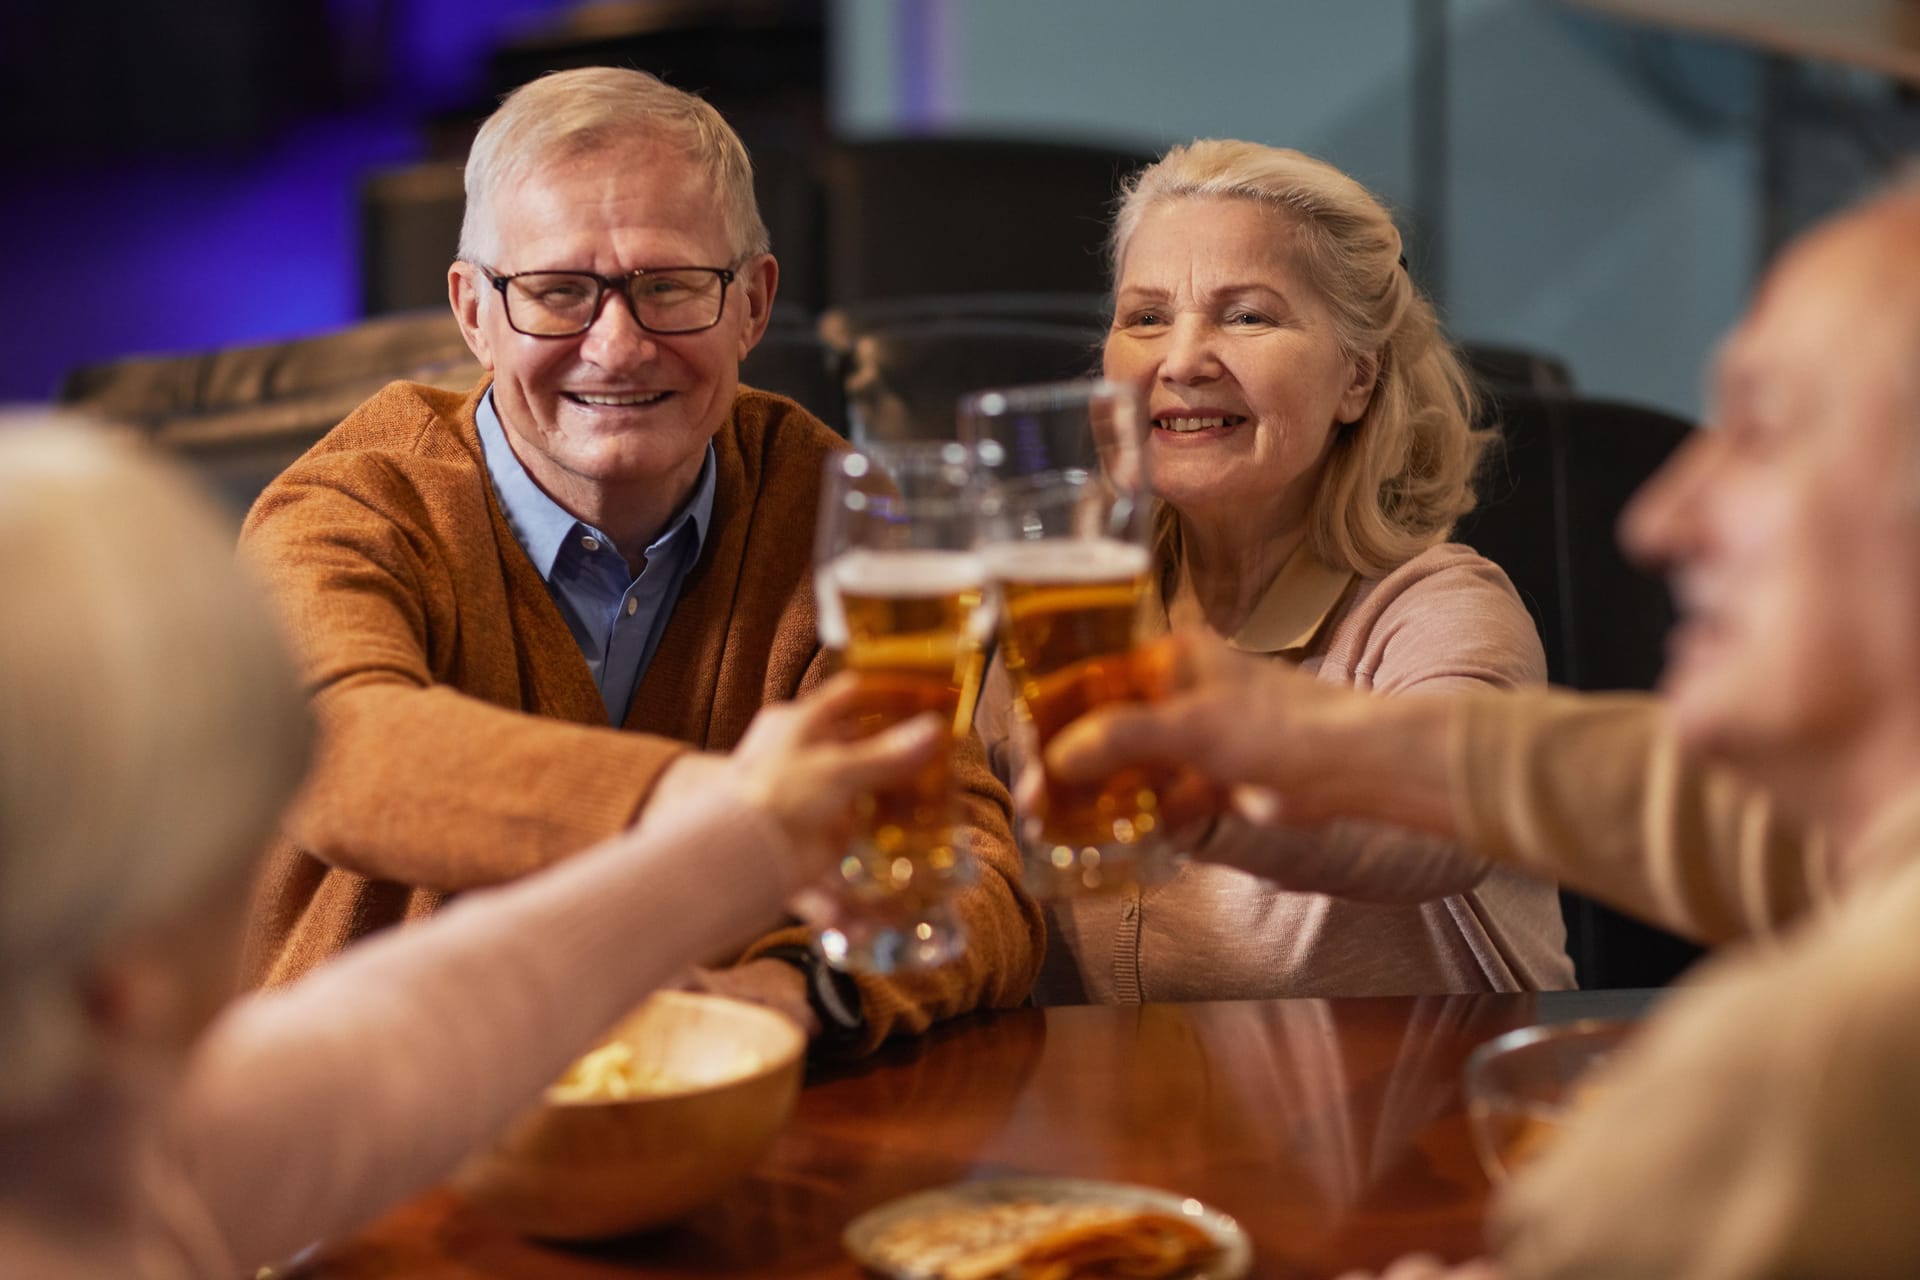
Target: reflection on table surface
1334 1130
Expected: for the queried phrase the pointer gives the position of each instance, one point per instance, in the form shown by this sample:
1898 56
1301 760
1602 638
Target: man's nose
1656 526
615 336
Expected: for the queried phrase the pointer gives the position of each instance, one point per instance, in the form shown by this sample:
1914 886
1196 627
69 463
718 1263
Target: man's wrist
1387 761
833 996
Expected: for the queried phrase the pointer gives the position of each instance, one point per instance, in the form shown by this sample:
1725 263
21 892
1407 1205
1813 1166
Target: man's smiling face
615 407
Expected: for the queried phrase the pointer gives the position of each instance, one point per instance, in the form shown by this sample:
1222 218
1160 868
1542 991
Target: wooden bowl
591 1168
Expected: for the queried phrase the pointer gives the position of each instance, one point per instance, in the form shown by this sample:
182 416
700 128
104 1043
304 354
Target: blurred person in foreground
150 731
1767 1122
534 611
1312 444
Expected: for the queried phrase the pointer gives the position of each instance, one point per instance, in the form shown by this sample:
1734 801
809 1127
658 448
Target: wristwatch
834 996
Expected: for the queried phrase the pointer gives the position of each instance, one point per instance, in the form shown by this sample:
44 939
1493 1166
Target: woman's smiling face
1236 356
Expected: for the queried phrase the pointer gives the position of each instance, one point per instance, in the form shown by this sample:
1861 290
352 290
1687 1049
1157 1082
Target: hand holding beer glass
903 603
1065 536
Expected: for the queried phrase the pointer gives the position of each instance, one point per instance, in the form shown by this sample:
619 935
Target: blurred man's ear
759 281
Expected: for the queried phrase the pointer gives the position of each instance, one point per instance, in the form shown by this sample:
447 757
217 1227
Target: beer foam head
908 573
1067 560
904 574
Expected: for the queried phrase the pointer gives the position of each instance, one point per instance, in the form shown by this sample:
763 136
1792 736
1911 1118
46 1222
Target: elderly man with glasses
533 613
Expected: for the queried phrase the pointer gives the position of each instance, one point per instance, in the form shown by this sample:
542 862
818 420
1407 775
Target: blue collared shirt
616 619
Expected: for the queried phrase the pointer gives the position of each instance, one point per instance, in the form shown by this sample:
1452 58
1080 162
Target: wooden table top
1334 1130
1880 35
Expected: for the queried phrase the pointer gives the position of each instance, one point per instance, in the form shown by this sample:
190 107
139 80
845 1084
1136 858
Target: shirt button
633 606
590 542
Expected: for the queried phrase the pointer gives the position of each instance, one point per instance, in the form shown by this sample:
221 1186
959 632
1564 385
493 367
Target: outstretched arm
310 1108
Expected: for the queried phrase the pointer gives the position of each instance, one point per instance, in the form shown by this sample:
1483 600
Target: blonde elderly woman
1312 444
150 731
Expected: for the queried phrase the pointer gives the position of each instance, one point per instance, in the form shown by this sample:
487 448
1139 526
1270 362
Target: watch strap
834 996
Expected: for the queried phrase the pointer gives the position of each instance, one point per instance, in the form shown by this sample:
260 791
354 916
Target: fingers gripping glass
561 304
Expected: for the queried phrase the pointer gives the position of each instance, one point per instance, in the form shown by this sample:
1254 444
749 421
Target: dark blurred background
195 174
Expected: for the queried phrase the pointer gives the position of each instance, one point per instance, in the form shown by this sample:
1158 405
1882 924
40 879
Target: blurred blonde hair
1397 479
150 724
565 115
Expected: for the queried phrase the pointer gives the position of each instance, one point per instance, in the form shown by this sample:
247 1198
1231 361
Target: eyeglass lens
566 302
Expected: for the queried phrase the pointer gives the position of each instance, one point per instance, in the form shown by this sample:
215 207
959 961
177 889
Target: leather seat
1550 502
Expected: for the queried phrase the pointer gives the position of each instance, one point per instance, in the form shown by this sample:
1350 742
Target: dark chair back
843 325
1494 367
792 360
409 234
933 215
903 381
1550 501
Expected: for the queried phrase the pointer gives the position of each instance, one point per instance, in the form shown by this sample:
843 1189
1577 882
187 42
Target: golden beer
1071 612
912 633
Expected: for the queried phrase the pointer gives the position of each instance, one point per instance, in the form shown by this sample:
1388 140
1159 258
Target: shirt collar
1292 610
541 524
1294 606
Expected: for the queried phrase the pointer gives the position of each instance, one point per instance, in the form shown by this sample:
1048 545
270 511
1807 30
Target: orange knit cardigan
462 739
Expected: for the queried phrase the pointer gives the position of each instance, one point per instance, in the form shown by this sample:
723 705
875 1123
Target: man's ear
466 292
759 280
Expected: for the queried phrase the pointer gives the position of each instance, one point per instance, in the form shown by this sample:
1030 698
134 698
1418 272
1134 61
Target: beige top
1413 914
1594 790
1767 1123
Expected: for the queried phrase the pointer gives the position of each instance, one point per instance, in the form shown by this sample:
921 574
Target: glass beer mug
903 603
1065 536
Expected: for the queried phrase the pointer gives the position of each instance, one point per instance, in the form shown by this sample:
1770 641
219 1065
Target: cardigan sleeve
1006 930
1595 790
416 781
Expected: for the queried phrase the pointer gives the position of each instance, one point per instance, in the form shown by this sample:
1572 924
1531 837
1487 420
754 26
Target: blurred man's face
1789 527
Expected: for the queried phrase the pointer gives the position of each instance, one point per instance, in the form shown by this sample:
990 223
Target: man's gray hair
566 114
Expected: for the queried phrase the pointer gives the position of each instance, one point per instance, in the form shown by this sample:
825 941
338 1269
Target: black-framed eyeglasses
561 304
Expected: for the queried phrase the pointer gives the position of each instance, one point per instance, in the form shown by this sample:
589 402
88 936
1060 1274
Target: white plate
1231 1262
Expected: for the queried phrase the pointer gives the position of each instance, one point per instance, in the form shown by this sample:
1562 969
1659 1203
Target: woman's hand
801 763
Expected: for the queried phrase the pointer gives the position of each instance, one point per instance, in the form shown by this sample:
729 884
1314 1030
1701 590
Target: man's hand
772 984
1281 746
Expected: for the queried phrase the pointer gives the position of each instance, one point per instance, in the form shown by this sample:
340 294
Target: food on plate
1038 1240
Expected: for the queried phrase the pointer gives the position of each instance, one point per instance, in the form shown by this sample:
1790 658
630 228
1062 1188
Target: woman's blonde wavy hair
151 726
1398 479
